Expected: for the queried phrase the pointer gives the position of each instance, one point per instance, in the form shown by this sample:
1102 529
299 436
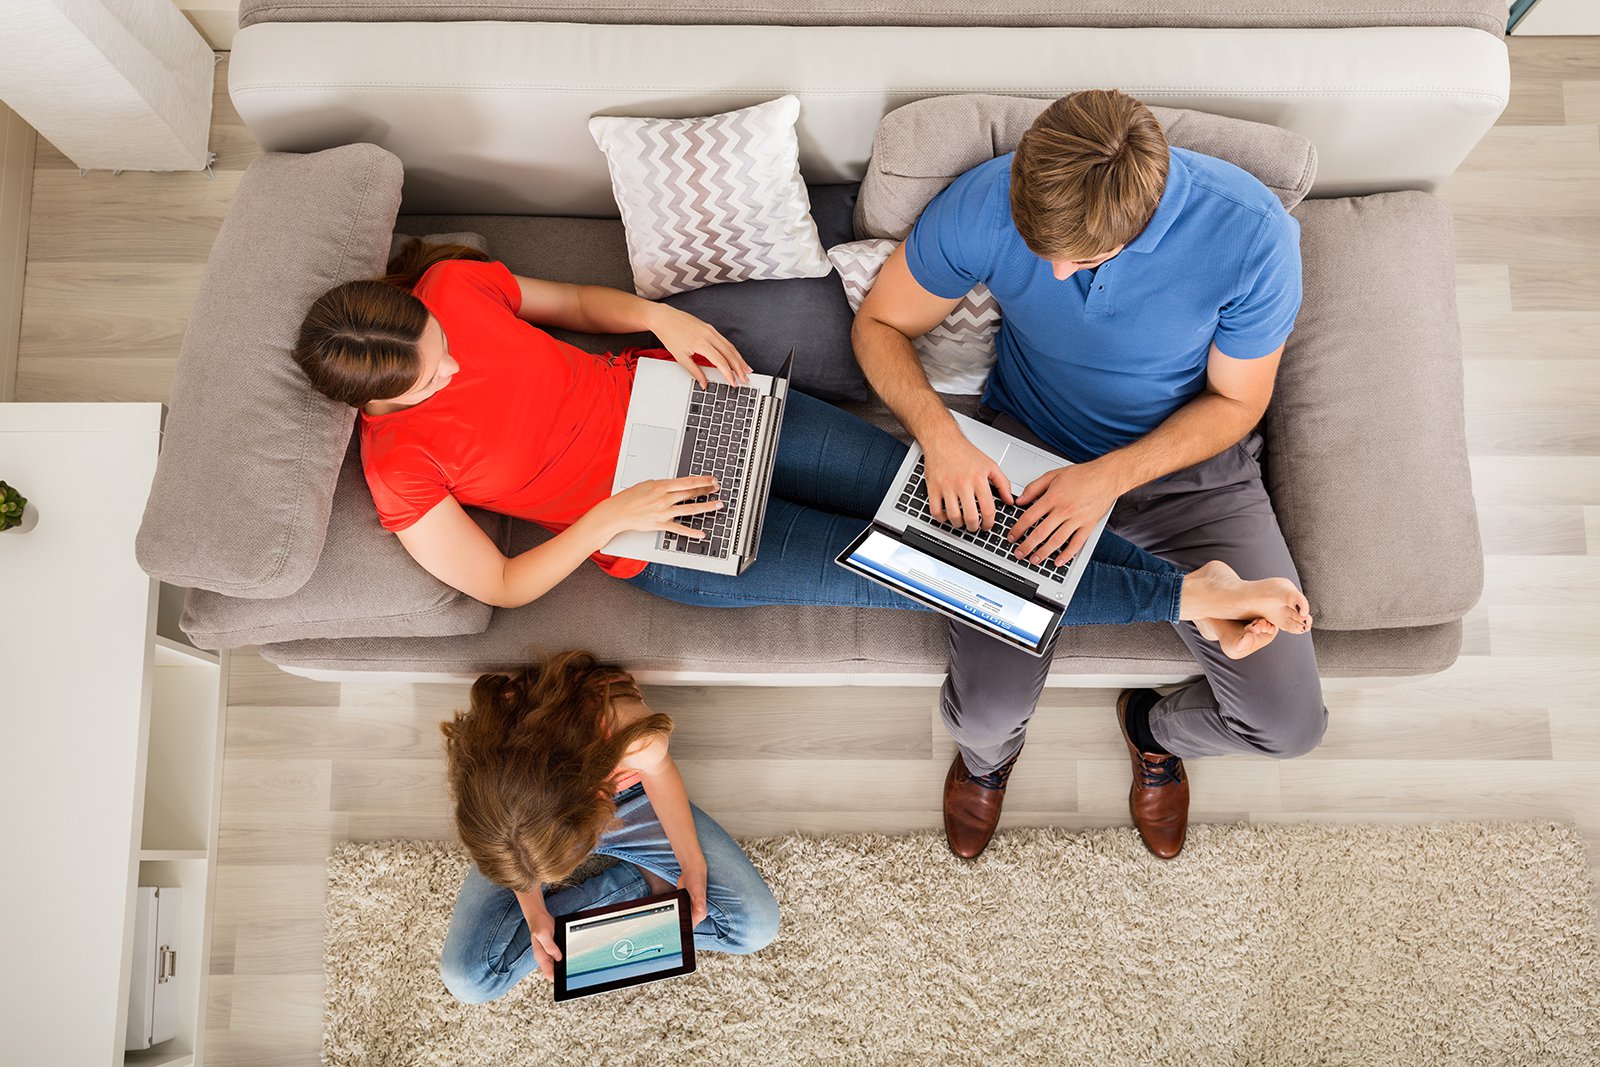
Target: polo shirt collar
1173 197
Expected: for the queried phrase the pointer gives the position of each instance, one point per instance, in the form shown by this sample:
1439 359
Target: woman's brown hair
1088 175
530 766
358 342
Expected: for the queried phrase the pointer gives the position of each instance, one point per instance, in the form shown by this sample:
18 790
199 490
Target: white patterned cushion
956 354
712 200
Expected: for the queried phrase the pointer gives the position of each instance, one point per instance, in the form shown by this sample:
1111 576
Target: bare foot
1238 639
1215 591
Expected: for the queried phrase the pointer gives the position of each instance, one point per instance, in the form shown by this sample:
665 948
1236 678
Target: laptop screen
941 585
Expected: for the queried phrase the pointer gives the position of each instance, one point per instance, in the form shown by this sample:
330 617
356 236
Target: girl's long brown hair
358 342
530 766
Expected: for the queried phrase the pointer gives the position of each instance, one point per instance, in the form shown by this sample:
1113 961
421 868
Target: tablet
624 944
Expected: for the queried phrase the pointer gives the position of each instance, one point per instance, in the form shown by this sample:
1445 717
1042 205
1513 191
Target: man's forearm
892 368
1197 431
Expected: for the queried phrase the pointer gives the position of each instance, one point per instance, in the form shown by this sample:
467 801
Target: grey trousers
1269 703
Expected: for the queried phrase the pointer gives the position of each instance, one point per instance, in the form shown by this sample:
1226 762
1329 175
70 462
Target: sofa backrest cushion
1366 457
1486 15
251 452
491 117
923 147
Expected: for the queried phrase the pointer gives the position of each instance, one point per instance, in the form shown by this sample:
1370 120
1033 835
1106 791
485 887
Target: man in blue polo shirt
1146 293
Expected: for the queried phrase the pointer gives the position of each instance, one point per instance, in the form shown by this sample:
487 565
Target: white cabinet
112 741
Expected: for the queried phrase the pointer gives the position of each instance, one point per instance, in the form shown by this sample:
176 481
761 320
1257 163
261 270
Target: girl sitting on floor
558 762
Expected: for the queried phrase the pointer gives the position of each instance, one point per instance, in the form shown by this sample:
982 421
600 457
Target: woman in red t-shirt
464 401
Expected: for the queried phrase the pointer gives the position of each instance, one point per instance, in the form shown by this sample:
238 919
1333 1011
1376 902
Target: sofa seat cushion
250 451
1366 457
762 318
647 633
924 146
365 585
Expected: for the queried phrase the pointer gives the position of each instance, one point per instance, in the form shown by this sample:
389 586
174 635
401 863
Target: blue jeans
833 470
488 949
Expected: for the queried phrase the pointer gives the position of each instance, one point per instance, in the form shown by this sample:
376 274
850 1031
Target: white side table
112 741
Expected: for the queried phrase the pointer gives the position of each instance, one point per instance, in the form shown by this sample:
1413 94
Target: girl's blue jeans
488 949
833 470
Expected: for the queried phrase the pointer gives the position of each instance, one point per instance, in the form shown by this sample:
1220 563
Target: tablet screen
939 584
609 948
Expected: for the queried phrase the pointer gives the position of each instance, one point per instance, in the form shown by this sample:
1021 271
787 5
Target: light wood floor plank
1545 288
1531 530
1510 790
1219 790
1581 101
252 680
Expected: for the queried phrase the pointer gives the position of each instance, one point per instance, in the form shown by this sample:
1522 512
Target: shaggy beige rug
1457 943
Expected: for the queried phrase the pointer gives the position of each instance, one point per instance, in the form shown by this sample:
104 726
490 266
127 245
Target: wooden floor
1512 731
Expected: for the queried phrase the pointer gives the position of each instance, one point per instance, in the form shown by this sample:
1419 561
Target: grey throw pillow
924 146
251 452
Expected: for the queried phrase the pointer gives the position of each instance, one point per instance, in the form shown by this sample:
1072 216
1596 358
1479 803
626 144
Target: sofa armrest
251 452
1366 440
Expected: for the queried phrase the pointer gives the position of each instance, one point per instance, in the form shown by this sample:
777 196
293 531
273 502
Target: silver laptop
973 577
676 429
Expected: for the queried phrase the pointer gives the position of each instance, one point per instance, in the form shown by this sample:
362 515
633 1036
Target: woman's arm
452 548
601 309
664 786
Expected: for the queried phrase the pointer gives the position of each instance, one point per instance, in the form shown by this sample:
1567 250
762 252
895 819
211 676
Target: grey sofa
260 509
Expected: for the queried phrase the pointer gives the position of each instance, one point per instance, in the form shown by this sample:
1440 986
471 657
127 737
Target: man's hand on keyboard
1063 506
962 481
658 504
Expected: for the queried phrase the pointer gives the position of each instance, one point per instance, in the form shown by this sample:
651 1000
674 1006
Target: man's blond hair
1087 175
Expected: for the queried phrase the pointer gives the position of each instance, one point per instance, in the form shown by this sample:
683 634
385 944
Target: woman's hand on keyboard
658 504
686 337
962 481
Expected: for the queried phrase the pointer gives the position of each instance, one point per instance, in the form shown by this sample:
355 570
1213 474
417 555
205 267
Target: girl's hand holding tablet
541 931
695 882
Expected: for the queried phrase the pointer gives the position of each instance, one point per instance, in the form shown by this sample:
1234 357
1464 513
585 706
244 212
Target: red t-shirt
529 426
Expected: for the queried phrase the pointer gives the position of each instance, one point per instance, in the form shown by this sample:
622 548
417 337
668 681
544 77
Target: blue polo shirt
1097 361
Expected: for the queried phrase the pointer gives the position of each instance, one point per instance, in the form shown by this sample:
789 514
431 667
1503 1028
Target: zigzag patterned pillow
712 200
958 353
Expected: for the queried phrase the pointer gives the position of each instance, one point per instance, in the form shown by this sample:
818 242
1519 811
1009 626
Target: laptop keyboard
914 502
715 442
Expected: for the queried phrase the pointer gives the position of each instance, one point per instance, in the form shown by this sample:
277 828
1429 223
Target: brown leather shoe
1159 797
972 806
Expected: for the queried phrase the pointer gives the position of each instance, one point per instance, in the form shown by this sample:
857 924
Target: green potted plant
13 508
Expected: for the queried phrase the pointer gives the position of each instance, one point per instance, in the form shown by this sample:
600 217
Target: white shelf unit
116 755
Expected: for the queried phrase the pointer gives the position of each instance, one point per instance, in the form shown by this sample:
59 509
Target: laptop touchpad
652 453
1023 465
